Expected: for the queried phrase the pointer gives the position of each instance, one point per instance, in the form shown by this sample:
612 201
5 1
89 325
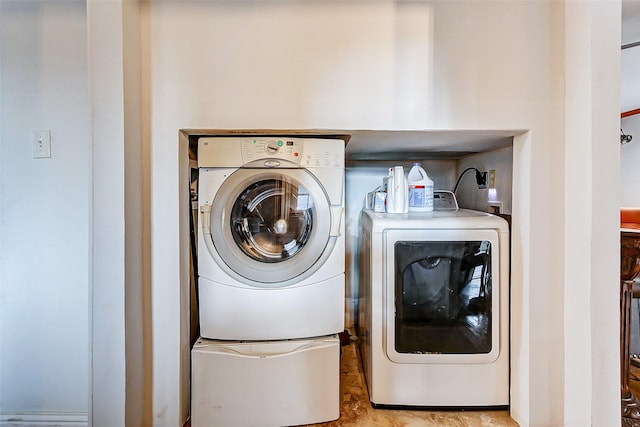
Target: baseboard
43 419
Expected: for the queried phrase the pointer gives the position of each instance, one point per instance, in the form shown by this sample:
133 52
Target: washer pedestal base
272 383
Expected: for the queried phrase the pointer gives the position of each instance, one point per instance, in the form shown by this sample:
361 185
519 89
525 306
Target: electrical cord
481 178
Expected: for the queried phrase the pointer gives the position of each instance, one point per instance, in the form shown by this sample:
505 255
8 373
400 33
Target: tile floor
356 410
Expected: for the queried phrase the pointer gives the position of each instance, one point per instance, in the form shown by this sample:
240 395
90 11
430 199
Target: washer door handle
205 211
336 219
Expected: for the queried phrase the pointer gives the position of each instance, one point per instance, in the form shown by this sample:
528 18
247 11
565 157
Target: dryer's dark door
270 226
443 297
443 302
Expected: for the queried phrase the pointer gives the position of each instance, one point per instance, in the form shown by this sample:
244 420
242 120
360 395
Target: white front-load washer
271 237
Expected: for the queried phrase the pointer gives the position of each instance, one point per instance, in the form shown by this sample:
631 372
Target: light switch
41 140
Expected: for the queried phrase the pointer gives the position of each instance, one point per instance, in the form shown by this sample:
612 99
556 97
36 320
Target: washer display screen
272 220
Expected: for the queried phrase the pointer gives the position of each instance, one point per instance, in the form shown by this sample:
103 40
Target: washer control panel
276 148
328 153
270 152
308 153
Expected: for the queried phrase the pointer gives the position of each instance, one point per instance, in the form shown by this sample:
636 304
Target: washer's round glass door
272 220
271 226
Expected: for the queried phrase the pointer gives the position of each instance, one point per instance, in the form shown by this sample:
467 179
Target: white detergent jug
420 190
397 192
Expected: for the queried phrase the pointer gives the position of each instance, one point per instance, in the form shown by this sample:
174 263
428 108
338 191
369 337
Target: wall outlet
41 143
494 207
492 178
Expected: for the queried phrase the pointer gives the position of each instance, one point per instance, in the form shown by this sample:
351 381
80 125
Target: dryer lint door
270 228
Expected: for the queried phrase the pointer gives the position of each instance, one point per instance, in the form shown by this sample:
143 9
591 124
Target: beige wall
358 65
344 65
44 213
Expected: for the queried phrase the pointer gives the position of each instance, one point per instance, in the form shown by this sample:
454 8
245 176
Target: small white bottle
399 192
420 190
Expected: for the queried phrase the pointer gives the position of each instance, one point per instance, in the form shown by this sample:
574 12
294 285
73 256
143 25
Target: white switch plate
41 140
492 179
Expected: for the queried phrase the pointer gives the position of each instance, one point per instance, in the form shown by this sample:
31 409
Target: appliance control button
271 147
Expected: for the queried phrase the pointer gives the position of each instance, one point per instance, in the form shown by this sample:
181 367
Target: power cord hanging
481 178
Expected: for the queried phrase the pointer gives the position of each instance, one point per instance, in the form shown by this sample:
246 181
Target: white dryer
271 237
434 308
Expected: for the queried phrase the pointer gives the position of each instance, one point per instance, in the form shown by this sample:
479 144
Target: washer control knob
271 147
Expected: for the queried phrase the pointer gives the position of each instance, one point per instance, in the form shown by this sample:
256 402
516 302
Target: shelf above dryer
372 145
